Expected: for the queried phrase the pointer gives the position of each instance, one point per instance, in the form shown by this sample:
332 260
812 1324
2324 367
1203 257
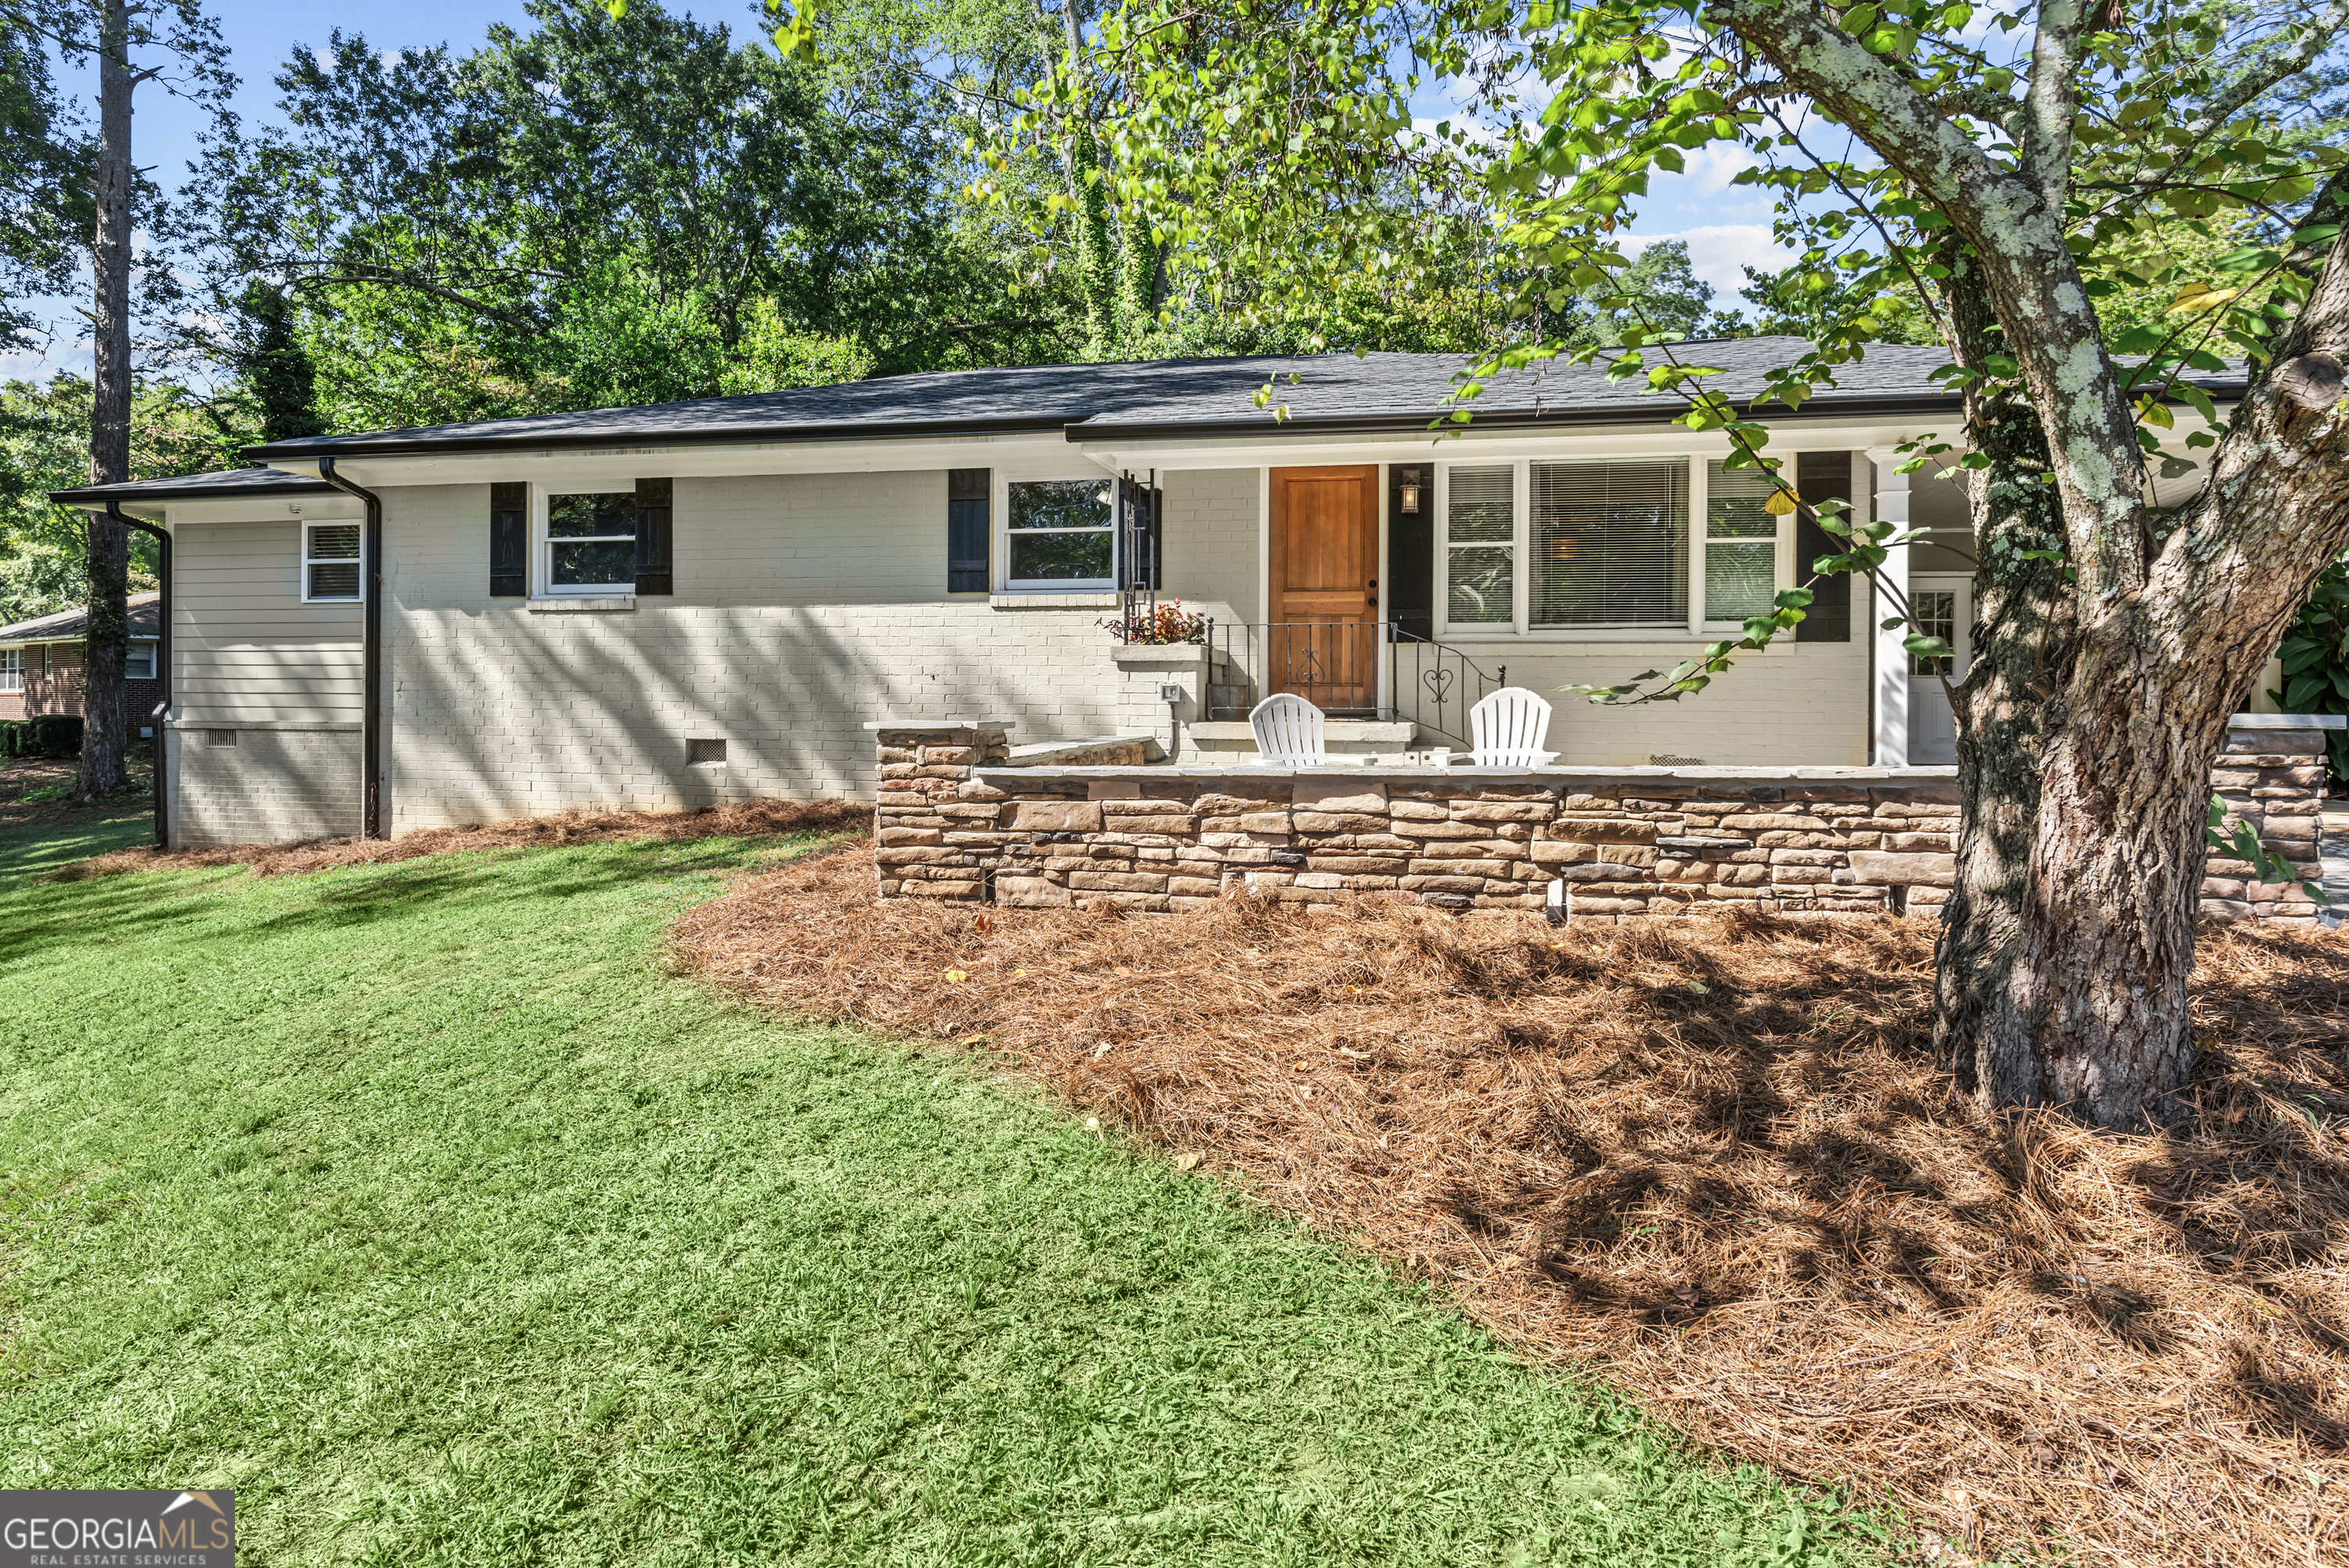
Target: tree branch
2051 103
1980 103
324 277
2033 282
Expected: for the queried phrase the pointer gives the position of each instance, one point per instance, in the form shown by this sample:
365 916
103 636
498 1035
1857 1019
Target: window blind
1741 543
1611 543
1480 553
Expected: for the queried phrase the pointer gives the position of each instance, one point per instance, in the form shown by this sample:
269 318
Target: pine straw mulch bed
1719 1159
748 819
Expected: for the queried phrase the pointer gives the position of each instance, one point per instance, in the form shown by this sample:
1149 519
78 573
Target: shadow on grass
125 908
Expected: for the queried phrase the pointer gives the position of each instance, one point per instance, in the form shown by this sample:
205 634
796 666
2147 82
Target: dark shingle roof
1396 393
256 480
1404 392
71 626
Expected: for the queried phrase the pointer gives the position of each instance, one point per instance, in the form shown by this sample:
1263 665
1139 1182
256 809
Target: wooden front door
1324 641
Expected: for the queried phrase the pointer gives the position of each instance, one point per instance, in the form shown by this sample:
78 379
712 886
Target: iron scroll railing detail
1436 685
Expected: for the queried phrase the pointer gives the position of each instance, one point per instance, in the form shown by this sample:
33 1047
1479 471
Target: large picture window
1613 550
1610 545
591 542
1060 533
330 561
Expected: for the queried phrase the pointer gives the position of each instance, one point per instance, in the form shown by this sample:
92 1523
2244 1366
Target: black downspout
162 665
370 654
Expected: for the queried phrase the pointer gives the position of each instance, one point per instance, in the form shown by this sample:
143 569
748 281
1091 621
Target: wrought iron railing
1434 685
1339 667
1348 669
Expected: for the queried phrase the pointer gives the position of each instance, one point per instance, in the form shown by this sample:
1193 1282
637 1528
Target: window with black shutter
656 541
1822 476
967 530
510 542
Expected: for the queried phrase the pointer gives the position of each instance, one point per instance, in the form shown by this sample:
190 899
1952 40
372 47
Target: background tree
44 445
44 196
592 212
130 42
1974 166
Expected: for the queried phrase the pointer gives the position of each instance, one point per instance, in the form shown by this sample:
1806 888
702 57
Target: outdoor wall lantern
1410 493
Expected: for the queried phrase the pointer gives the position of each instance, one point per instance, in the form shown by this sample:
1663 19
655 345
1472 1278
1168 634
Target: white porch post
1889 706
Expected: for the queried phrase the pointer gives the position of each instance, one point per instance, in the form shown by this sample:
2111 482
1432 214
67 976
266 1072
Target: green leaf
1924 647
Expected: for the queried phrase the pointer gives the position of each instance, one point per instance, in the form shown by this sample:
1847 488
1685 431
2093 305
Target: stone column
1888 705
2271 775
931 838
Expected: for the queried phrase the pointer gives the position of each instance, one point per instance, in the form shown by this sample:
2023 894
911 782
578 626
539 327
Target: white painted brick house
674 605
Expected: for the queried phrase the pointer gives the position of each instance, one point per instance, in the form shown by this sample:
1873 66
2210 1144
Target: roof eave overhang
98 495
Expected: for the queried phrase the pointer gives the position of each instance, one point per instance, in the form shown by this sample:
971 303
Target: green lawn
419 1205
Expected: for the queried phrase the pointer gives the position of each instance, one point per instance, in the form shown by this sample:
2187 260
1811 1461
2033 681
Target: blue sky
1726 225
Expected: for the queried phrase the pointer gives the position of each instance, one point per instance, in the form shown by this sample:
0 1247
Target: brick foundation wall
954 823
264 785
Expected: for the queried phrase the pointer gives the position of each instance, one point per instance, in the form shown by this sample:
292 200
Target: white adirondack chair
1509 727
1288 731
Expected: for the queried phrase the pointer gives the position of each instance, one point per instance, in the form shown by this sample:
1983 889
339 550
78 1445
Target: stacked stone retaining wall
955 821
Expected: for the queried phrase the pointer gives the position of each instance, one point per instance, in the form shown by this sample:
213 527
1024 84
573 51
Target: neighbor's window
139 661
1060 533
1741 543
591 542
12 669
1610 545
1480 546
330 561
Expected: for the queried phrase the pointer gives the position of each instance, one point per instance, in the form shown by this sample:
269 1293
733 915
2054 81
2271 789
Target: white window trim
542 552
306 561
1520 628
12 678
998 505
154 654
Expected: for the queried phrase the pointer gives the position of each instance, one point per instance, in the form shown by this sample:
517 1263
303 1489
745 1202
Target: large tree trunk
2088 735
103 732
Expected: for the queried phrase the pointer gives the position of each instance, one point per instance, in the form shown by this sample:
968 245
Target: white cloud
1712 167
1719 253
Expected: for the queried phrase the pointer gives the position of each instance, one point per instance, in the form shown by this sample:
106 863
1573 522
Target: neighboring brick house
41 664
697 601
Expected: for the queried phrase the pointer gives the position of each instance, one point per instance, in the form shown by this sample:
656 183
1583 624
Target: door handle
1373 601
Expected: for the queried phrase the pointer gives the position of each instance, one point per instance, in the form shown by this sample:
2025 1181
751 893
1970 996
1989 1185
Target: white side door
1944 606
